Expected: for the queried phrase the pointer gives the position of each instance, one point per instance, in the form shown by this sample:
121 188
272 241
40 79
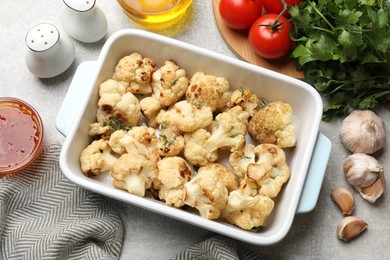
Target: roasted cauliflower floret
169 143
209 90
173 173
138 140
111 86
272 124
228 130
134 173
185 116
150 107
247 210
169 85
136 72
97 158
99 130
125 108
194 149
207 191
244 98
265 165
240 160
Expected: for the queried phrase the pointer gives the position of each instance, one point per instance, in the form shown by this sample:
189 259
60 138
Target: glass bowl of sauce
146 12
21 135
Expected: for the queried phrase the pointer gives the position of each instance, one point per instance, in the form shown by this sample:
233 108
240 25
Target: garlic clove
344 200
362 131
374 191
366 175
350 227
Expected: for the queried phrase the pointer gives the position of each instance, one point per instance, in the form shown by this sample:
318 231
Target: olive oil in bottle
154 11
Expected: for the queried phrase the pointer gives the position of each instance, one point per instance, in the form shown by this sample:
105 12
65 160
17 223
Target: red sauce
19 134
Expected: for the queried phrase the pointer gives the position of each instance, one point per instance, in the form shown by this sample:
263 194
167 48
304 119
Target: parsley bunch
343 49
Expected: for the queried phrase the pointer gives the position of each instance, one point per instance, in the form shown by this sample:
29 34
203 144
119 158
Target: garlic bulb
366 175
362 131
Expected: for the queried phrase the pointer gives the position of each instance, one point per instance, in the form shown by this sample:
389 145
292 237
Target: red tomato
276 6
269 42
240 14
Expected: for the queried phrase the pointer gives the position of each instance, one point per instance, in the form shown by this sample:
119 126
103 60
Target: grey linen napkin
45 216
218 248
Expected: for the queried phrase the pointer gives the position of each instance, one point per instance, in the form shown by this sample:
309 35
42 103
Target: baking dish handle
316 171
74 96
315 174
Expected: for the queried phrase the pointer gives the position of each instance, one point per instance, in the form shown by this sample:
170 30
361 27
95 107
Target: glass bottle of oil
154 11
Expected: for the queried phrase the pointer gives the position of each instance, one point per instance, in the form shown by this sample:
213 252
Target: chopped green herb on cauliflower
173 173
272 124
134 173
135 72
209 90
97 158
185 117
207 191
246 209
169 143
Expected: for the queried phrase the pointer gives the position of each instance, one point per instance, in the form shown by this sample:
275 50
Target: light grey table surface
149 235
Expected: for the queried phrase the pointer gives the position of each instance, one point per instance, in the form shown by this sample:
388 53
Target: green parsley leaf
114 124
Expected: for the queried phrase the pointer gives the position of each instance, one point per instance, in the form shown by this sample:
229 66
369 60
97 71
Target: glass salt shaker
83 20
48 54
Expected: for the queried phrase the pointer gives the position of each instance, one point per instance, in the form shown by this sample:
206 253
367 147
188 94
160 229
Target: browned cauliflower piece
99 130
194 150
136 72
111 86
134 173
97 158
272 124
150 107
240 160
169 85
207 191
244 98
138 140
227 132
265 165
173 173
209 90
185 116
246 209
169 143
115 102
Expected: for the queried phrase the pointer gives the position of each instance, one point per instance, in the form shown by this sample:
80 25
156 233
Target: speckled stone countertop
152 236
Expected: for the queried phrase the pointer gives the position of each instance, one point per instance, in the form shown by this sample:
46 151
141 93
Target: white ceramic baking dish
307 160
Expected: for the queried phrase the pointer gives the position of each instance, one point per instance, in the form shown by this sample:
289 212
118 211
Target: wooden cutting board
238 43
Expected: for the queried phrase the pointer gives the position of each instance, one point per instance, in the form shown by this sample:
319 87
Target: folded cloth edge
44 216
